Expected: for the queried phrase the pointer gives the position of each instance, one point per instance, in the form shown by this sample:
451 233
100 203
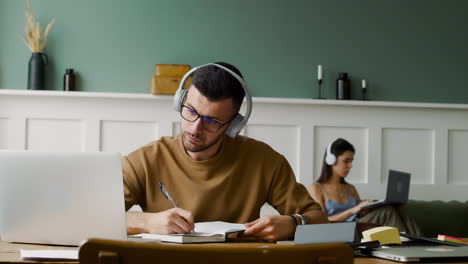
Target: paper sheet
65 254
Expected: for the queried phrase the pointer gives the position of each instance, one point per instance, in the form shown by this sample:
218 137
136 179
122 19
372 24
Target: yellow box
384 234
167 85
172 70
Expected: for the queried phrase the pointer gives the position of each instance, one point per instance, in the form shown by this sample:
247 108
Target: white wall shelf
295 101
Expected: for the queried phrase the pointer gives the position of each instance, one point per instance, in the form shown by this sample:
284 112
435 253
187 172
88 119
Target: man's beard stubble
198 148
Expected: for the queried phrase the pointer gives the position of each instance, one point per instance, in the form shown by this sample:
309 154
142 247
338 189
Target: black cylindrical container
343 87
69 80
36 71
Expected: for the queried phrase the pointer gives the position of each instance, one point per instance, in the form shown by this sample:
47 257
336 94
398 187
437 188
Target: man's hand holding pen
172 221
176 220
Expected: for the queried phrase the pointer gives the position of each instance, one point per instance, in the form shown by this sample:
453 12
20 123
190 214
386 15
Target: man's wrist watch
303 219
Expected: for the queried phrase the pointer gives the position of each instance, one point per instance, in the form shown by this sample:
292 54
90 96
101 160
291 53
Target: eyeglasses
208 124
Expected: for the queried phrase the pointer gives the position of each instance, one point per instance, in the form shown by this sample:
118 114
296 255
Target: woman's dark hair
338 147
217 84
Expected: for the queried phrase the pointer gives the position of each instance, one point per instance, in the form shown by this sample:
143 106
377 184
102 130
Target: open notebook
204 232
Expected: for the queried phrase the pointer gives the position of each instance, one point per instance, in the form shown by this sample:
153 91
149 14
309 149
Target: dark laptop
398 185
427 241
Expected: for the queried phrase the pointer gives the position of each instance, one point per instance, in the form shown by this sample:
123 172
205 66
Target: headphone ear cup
179 99
330 159
236 125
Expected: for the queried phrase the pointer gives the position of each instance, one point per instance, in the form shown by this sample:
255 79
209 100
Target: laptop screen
398 187
60 198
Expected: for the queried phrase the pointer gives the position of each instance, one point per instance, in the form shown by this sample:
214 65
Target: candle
364 84
319 72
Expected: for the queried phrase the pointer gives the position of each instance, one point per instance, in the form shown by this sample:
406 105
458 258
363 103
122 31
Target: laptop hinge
108 257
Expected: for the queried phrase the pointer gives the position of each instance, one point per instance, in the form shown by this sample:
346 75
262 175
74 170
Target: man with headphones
210 172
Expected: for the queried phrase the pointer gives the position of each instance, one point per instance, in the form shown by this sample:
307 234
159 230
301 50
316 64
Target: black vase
37 70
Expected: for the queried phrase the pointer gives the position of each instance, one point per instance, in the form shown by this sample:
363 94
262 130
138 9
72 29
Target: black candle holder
364 93
320 89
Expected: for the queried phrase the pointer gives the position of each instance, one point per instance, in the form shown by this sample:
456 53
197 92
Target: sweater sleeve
288 196
133 189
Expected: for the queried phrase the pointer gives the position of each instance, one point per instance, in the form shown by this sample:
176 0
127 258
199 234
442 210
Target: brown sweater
232 186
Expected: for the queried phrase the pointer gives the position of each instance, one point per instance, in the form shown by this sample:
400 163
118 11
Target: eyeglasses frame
220 125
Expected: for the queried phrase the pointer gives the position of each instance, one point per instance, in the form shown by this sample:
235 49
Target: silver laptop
61 198
412 254
398 185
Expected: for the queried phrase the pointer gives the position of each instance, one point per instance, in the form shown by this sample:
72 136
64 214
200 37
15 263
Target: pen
166 194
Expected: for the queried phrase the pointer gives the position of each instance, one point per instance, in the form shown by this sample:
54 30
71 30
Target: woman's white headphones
239 121
330 158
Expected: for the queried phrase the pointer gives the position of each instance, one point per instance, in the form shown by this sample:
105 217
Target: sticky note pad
384 234
450 239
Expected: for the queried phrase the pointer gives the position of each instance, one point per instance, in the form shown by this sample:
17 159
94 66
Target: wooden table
9 253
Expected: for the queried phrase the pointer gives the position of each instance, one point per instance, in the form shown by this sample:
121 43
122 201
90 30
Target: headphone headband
239 121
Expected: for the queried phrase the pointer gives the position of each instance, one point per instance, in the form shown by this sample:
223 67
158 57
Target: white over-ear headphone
330 158
239 121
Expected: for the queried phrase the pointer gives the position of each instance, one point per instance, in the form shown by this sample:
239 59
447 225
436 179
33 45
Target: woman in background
340 200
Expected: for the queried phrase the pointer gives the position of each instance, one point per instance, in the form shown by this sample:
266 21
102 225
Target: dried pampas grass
36 39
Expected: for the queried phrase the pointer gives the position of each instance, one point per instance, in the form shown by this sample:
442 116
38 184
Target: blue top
333 207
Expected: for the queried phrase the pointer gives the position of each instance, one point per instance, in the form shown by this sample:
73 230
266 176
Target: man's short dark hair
217 84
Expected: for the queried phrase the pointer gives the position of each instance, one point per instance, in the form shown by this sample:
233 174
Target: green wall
408 50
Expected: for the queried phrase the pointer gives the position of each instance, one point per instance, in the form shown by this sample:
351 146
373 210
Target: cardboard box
167 85
172 70
168 77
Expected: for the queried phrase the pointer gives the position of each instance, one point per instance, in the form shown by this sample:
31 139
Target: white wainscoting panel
126 136
54 134
3 133
457 157
284 139
410 150
175 128
428 140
